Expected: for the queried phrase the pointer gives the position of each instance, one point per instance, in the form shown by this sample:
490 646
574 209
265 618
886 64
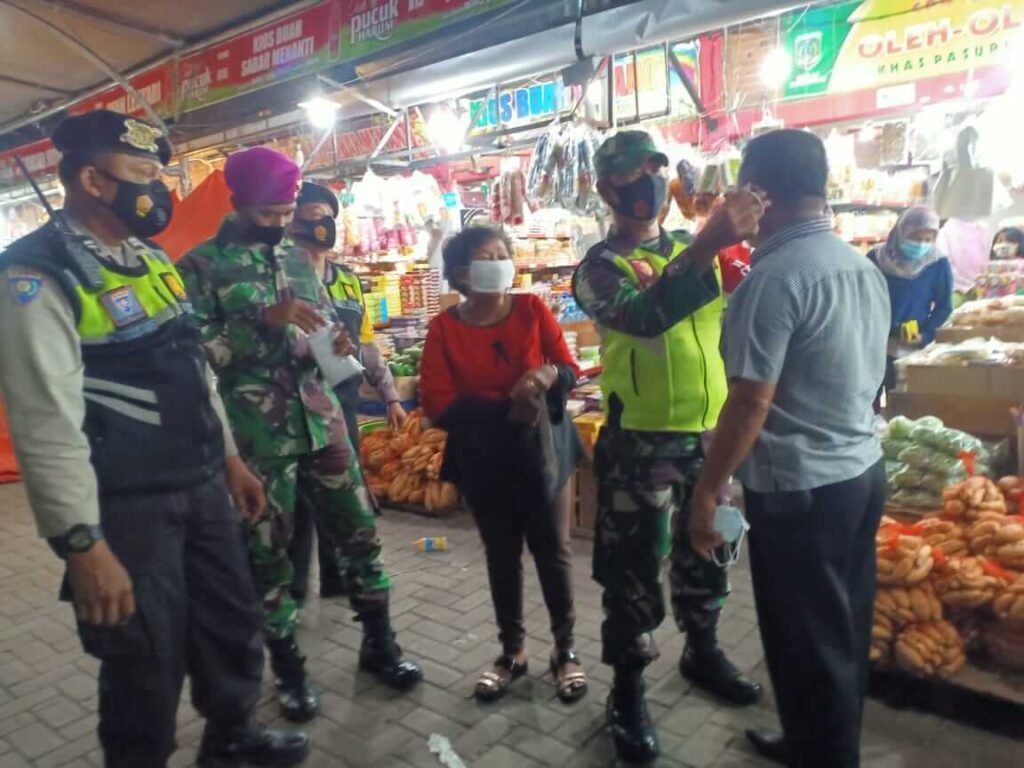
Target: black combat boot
705 665
636 740
299 700
381 655
251 745
332 584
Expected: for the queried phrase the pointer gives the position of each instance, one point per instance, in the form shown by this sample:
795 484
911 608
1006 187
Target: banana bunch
946 536
1000 537
932 648
882 636
969 499
903 559
908 605
966 582
1009 600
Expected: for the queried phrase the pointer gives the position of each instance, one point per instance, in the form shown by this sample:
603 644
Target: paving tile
443 614
35 740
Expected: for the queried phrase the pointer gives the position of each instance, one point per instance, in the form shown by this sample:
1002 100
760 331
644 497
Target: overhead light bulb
320 111
775 68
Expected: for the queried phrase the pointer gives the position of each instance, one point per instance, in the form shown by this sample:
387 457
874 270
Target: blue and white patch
123 306
24 285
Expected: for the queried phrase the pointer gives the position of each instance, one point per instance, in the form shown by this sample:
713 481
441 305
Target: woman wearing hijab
920 284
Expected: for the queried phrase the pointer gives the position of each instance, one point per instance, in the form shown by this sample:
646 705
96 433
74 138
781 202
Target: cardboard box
954 334
997 381
986 417
407 386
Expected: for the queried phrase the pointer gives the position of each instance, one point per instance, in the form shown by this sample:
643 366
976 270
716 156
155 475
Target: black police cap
103 130
317 193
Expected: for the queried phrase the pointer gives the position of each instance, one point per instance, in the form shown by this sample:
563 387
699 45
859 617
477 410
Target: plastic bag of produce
952 442
892 447
906 497
930 460
908 477
900 427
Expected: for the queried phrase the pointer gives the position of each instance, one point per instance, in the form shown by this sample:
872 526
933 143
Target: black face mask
267 235
643 198
321 232
145 209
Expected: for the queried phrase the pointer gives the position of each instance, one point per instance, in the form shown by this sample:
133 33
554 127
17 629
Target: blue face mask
915 251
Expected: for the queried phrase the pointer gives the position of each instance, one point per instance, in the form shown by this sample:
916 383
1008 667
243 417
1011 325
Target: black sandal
492 686
573 686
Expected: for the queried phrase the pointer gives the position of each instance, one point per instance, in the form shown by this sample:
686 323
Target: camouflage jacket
275 396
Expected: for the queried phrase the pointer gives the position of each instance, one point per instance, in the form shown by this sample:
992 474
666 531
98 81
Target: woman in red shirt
495 374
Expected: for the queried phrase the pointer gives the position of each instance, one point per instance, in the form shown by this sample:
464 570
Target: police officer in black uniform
127 462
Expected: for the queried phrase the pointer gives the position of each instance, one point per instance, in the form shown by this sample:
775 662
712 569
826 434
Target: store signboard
155 85
373 25
645 87
518 105
294 45
40 157
866 44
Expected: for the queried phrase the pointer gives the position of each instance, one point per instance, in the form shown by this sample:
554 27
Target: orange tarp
8 466
197 217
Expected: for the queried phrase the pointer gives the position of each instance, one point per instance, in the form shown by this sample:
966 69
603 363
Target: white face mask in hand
730 524
491 276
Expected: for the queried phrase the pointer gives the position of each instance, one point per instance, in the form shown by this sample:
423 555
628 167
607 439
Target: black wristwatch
80 538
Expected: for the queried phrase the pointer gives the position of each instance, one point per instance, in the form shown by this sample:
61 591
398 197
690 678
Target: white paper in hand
335 368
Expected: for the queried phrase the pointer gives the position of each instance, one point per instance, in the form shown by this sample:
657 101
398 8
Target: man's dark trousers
196 614
812 556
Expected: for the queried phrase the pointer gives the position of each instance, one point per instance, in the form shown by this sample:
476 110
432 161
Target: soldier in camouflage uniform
256 300
656 299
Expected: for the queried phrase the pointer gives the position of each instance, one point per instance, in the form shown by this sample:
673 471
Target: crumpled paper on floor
442 747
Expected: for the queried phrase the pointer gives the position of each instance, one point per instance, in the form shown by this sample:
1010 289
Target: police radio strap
74 244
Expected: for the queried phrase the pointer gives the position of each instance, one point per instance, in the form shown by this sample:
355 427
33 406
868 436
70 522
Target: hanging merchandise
562 173
508 194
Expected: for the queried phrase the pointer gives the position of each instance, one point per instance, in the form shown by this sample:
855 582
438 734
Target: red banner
155 85
40 157
295 44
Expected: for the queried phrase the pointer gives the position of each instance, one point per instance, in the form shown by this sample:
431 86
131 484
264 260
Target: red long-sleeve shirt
461 360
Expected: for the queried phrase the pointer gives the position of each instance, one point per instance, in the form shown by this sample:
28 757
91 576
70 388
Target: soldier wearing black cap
314 229
126 460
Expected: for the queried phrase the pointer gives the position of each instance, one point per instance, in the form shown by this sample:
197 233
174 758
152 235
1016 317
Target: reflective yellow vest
148 417
674 382
346 294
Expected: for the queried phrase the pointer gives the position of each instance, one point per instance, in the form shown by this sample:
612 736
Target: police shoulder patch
24 285
123 306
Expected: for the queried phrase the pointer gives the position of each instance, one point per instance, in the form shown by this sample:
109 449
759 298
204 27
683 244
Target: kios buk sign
855 45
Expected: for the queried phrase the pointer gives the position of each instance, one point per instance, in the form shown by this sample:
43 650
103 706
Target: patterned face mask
732 527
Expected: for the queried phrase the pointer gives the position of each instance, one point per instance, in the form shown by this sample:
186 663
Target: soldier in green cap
656 299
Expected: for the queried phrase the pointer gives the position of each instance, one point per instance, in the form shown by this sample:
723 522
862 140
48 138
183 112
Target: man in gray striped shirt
804 345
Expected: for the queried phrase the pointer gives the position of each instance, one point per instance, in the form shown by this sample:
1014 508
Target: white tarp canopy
48 48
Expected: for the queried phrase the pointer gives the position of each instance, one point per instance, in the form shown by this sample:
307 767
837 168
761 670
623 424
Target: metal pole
87 53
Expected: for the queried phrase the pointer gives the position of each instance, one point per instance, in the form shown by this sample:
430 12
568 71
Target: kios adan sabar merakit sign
875 43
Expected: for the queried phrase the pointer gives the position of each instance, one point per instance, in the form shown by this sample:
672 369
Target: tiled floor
441 607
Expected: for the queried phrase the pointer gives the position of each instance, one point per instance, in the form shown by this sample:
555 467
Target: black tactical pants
197 614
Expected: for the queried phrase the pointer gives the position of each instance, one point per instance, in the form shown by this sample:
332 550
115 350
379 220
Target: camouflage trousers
642 505
332 483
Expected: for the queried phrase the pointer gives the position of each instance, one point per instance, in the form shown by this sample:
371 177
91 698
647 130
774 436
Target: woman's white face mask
491 276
